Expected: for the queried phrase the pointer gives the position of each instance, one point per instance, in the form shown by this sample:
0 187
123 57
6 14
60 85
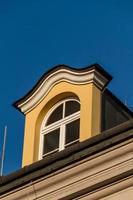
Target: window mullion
63 110
62 137
41 146
62 124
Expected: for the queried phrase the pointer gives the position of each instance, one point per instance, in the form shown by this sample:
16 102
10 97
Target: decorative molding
66 75
94 178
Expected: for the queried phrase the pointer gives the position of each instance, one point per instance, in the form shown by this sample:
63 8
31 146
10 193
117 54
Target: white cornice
66 75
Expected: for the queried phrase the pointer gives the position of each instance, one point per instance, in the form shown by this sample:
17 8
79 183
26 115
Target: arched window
60 127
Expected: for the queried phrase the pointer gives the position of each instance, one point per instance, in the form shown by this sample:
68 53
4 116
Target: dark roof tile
70 155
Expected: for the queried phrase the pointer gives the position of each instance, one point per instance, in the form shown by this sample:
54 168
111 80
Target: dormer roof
93 73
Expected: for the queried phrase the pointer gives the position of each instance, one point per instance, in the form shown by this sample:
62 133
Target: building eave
93 73
53 163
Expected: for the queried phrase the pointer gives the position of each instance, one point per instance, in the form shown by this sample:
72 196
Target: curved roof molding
93 74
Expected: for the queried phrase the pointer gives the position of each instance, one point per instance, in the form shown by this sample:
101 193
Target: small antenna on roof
127 105
3 152
125 102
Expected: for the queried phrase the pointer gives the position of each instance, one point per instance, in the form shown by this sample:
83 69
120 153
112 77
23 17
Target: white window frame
61 124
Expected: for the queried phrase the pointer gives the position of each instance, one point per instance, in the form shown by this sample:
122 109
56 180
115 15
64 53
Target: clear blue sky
38 34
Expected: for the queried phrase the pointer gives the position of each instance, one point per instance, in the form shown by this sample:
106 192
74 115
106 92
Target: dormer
66 107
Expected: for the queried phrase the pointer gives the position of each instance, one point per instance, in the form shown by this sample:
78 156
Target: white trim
57 77
68 144
64 109
57 124
54 107
62 138
46 154
61 124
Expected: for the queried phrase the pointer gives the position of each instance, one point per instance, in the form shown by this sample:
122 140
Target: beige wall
90 100
85 179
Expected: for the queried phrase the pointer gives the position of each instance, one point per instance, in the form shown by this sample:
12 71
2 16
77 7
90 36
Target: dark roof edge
57 67
101 142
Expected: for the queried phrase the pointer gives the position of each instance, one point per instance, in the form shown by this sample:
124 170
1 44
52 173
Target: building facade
78 140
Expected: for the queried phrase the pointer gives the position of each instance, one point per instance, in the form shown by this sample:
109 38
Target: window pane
51 141
71 107
56 115
72 131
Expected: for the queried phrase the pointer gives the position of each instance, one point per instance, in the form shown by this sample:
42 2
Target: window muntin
68 117
56 115
71 107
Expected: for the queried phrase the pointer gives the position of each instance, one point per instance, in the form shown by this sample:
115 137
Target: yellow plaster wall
90 100
96 111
